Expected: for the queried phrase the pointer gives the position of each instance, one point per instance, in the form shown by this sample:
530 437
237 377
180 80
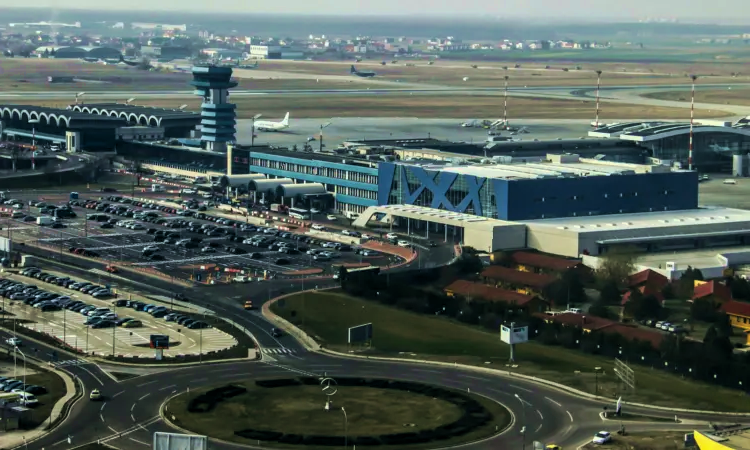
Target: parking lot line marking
144 396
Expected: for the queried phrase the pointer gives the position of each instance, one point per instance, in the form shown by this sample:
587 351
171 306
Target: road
130 413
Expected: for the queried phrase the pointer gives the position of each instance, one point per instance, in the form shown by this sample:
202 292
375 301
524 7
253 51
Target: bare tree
616 265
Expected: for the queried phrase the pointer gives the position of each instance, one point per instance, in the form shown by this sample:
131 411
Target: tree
609 293
703 309
600 309
686 284
643 307
740 288
616 265
723 324
716 345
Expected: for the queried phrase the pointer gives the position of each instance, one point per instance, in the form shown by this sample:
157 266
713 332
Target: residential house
540 263
648 277
472 290
593 324
712 290
738 312
525 282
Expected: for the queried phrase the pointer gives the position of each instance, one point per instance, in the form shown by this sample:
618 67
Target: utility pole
692 115
505 107
598 87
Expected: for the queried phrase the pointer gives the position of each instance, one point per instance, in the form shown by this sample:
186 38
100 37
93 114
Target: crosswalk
70 362
278 351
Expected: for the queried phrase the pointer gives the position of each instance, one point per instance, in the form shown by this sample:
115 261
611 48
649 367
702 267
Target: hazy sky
542 9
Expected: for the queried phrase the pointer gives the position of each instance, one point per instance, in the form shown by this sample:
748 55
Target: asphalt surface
130 414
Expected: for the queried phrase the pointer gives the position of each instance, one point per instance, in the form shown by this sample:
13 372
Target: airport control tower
217 116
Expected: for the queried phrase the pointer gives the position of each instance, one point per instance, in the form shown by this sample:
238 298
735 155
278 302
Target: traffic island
323 413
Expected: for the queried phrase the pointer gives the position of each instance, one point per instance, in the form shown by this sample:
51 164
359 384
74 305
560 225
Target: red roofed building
539 263
472 290
712 290
647 277
517 280
739 314
634 333
593 324
645 290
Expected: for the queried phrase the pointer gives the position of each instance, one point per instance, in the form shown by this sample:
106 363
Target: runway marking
520 388
570 415
167 387
473 378
140 442
144 384
144 396
540 414
117 394
92 374
553 402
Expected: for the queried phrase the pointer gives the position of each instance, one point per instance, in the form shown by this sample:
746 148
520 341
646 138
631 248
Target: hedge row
474 416
207 402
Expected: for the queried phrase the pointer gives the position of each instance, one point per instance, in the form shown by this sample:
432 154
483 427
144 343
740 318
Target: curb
293 330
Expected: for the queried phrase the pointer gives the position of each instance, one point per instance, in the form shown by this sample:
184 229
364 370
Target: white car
319 227
249 241
151 248
314 211
403 244
188 191
137 226
331 217
206 195
391 236
365 236
13 341
602 437
241 279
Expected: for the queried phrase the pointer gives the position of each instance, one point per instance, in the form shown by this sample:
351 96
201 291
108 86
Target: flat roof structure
651 131
140 115
556 166
64 118
482 233
650 232
735 438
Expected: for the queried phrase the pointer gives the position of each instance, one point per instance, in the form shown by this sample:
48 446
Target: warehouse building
63 52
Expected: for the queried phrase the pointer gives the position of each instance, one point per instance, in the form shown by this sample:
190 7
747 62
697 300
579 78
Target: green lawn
299 410
326 317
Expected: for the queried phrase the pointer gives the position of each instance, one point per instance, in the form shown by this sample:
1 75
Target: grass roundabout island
290 412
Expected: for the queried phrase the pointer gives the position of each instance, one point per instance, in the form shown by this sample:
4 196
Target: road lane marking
473 378
570 415
150 394
538 428
117 394
420 370
132 417
198 380
144 384
167 387
140 442
553 402
92 374
540 414
103 405
113 430
132 407
101 417
520 388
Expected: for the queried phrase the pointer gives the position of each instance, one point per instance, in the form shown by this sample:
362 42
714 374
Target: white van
730 181
157 188
25 398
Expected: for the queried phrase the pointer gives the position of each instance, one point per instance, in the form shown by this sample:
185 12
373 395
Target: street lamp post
16 349
34 123
598 86
346 428
523 428
320 137
79 95
596 380
252 132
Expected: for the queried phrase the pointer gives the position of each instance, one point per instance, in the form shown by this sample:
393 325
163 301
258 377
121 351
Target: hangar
66 52
176 122
78 130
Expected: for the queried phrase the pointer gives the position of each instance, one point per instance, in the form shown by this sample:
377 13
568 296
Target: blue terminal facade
564 190
353 183
515 199
217 115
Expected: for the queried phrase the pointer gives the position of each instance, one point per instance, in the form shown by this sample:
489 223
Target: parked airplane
265 125
356 72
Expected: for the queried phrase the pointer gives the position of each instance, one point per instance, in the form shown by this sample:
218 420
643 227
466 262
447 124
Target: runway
130 414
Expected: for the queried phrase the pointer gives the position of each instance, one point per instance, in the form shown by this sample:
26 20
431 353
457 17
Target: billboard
159 341
177 441
5 245
518 335
360 333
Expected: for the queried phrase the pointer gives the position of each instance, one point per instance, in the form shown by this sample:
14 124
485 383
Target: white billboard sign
518 335
177 441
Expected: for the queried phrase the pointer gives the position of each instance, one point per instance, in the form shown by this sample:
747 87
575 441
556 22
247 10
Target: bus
299 213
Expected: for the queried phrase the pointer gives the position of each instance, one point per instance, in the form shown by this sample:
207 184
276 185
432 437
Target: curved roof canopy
291 190
57 117
141 115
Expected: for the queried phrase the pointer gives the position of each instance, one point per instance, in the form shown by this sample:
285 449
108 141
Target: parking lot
201 247
128 328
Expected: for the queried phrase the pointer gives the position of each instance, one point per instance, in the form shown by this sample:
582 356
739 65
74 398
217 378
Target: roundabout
321 412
